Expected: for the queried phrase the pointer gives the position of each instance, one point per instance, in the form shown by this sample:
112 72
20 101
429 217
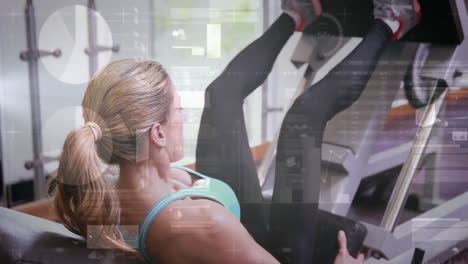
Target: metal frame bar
266 24
2 177
39 180
93 47
92 38
439 231
31 55
152 35
400 193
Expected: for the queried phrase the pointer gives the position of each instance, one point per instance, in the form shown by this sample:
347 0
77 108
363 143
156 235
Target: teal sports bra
212 189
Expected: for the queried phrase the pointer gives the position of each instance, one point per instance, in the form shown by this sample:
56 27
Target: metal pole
266 22
92 44
94 48
31 55
2 179
39 179
152 35
400 192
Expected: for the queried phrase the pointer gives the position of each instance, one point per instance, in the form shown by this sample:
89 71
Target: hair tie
95 129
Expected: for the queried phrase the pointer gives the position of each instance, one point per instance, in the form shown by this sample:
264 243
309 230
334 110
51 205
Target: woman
134 119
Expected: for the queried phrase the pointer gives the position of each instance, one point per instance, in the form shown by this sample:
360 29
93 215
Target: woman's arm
203 231
226 241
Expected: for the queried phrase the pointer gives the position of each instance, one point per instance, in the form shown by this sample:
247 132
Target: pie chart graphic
67 29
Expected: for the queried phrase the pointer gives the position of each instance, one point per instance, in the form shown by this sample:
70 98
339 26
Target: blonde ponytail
86 203
121 103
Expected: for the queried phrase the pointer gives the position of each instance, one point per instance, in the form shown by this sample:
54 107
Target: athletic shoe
406 12
304 12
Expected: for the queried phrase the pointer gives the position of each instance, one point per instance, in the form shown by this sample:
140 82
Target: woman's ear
157 135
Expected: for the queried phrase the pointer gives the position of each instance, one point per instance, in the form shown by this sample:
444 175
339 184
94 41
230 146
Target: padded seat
29 239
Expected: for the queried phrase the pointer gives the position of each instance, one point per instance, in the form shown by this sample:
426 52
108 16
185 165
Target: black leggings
223 150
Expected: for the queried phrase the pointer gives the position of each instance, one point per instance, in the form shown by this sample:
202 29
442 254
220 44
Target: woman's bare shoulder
203 231
183 222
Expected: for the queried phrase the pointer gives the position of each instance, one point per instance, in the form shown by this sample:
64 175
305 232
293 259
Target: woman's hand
343 256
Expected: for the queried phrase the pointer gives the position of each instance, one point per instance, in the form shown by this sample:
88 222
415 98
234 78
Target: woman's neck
145 178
